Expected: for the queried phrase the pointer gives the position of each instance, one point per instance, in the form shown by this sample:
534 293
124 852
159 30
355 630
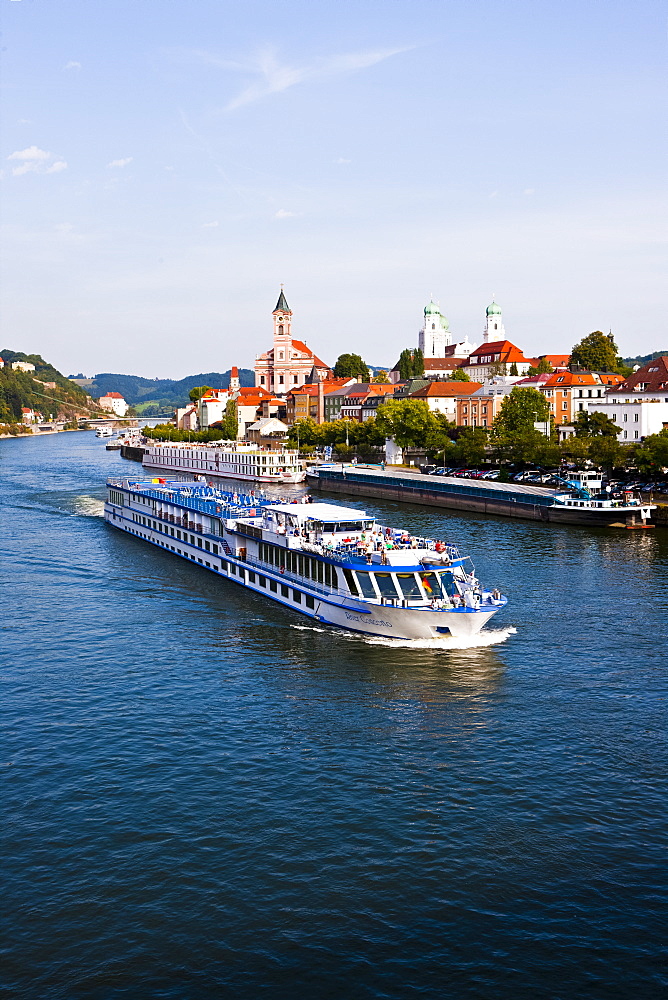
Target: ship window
386 585
410 588
251 577
215 550
321 571
192 539
199 543
285 592
207 546
431 584
262 580
365 582
223 566
297 596
233 569
310 603
328 574
272 586
335 579
350 580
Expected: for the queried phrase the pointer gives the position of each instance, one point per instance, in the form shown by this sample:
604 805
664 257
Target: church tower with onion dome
435 334
494 328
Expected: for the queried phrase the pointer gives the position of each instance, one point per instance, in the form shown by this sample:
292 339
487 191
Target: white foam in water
88 507
490 637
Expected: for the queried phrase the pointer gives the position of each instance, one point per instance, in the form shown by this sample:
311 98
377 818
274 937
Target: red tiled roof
111 395
570 378
507 353
654 375
442 364
234 373
556 360
440 390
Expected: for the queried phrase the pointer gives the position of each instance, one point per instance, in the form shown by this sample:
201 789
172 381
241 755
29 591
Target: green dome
493 310
432 310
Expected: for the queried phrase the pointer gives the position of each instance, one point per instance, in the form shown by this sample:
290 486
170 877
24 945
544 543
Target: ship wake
488 637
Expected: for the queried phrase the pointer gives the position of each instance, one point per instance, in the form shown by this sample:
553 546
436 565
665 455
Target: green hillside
642 359
160 394
19 389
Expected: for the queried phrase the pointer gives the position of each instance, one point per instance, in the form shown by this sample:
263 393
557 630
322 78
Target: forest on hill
19 389
642 359
154 396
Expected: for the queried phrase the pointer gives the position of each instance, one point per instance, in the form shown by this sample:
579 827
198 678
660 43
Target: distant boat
228 460
104 432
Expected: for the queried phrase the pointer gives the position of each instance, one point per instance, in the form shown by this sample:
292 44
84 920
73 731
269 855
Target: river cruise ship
227 460
334 564
572 503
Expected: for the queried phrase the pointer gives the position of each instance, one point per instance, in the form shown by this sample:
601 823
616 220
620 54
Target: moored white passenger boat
227 460
333 564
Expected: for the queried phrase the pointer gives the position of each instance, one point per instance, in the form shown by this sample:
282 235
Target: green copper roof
432 309
282 304
493 309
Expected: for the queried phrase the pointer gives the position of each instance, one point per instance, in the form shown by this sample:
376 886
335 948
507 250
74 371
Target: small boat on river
333 564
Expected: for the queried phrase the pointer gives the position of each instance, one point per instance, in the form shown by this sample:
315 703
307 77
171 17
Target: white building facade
637 417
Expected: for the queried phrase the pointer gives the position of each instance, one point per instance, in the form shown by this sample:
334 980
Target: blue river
203 796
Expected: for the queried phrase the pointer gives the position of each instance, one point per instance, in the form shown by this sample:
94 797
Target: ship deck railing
322 588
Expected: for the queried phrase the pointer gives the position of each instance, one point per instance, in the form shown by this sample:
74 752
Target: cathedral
435 339
289 363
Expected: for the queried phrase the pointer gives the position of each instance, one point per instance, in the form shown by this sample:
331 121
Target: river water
204 796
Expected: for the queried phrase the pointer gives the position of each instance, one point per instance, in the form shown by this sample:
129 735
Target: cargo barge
519 500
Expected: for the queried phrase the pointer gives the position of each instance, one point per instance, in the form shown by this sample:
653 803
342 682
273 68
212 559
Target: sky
167 165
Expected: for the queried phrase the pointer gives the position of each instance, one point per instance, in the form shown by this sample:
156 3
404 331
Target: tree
576 449
306 431
595 424
520 409
606 452
411 363
408 421
198 391
459 375
651 457
471 446
381 378
597 353
229 424
351 366
513 369
542 368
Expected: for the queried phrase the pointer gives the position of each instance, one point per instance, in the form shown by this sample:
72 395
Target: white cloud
494 194
31 153
284 214
342 159
529 191
120 163
72 65
36 161
210 225
274 78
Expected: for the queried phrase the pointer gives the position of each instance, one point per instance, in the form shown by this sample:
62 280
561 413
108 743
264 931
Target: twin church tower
435 339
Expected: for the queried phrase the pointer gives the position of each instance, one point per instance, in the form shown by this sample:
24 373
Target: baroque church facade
289 363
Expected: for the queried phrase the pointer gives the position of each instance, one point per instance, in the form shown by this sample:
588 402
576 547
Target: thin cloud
210 225
72 65
31 153
36 161
284 214
120 163
275 78
342 159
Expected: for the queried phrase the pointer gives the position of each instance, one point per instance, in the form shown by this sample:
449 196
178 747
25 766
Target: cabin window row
421 586
289 561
